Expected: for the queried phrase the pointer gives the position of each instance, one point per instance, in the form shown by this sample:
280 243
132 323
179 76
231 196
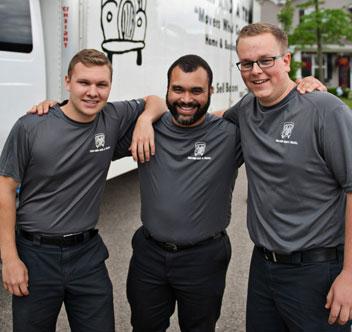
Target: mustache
191 104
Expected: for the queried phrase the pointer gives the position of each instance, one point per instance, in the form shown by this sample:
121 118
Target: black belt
307 256
173 247
65 240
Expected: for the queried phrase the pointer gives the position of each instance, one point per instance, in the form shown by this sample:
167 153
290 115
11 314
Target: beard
200 111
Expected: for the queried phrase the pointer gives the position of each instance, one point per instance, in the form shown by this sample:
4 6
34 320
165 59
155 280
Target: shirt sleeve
128 113
16 153
238 148
232 114
337 144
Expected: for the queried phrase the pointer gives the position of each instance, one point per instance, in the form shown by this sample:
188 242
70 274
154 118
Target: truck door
22 66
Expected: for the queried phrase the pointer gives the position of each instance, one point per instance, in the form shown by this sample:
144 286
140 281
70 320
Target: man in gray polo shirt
61 161
182 252
298 155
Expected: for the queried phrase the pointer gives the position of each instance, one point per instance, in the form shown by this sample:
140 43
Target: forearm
339 298
8 249
347 264
143 146
154 108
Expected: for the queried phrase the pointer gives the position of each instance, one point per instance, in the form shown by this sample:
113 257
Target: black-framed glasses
266 62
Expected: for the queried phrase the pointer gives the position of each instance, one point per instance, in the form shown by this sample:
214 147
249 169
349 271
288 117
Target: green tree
321 27
285 17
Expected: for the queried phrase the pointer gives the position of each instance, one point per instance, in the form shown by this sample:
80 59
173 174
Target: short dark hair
89 57
190 63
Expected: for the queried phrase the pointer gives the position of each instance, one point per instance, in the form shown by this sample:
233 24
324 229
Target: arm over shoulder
232 114
126 112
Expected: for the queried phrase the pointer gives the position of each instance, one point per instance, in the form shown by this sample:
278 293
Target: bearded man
182 251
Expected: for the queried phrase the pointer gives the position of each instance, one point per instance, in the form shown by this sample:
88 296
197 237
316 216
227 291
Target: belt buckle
272 255
70 234
170 246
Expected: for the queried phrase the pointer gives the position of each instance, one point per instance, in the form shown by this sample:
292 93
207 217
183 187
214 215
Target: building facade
337 58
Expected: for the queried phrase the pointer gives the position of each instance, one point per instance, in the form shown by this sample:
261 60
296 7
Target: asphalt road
120 218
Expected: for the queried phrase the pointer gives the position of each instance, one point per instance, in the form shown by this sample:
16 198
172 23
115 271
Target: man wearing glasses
298 155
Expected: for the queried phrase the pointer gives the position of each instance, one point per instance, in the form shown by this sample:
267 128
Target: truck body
141 38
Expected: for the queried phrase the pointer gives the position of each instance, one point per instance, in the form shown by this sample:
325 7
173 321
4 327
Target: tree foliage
335 26
285 17
321 27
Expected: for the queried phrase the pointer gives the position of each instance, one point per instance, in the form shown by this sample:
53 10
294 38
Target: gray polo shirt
186 188
62 165
298 157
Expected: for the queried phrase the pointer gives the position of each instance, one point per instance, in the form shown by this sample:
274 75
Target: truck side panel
22 62
141 37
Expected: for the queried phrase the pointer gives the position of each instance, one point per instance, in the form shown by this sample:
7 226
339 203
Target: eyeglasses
266 62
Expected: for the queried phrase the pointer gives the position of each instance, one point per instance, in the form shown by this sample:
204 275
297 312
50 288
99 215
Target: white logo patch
287 130
199 150
99 140
286 134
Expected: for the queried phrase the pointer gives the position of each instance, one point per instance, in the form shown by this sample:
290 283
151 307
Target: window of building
15 26
310 65
305 11
306 64
300 14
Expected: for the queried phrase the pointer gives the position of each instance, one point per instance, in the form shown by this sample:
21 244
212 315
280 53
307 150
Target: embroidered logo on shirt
286 133
99 141
287 130
199 150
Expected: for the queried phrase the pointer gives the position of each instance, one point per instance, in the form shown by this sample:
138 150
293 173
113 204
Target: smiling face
89 88
188 96
269 85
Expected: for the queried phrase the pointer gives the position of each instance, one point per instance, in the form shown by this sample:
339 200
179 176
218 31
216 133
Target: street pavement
120 218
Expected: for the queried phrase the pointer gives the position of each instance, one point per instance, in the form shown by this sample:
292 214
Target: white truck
141 37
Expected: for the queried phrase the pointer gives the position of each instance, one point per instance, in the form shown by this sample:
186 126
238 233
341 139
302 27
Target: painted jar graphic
124 24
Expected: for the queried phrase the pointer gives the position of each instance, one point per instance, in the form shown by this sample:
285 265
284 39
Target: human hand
42 107
142 146
15 277
309 84
339 299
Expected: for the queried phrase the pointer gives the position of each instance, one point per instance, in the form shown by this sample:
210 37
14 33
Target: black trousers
194 278
290 297
76 276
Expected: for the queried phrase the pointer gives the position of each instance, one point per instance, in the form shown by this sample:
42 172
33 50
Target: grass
348 102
